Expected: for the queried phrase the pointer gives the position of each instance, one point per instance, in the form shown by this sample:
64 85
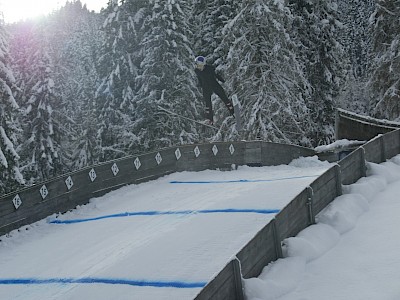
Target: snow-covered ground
158 240
165 239
351 253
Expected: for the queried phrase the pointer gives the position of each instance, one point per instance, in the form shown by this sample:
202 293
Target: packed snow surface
167 238
163 239
351 253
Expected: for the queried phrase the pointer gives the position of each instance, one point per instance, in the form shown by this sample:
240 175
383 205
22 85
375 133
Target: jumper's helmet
200 60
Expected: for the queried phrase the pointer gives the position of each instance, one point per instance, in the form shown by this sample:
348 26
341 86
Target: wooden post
338 180
277 241
337 121
383 150
363 165
238 279
310 204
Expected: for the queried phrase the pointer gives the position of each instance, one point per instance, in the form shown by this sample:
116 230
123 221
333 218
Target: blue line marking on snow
240 180
93 280
160 213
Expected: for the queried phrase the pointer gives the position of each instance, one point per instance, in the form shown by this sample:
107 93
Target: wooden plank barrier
262 249
63 193
352 167
352 126
374 151
295 216
391 143
227 285
265 247
326 188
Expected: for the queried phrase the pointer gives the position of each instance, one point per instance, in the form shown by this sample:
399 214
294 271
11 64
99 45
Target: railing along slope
63 193
265 247
353 126
66 192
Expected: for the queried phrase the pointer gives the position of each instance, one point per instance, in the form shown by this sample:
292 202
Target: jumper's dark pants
217 89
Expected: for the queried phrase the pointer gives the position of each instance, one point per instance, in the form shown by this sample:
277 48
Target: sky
16 10
155 240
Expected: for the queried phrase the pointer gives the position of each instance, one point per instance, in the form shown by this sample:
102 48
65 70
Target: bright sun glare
16 10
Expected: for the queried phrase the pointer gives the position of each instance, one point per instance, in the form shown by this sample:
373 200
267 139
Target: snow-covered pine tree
209 20
166 77
22 43
265 73
356 36
22 39
117 68
42 127
10 175
317 32
357 41
76 33
385 80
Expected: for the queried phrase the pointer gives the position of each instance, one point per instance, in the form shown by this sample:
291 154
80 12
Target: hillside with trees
78 88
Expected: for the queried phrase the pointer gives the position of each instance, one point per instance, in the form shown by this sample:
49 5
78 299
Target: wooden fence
66 192
265 247
352 126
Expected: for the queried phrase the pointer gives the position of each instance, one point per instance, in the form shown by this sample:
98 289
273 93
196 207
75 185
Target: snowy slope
159 240
351 253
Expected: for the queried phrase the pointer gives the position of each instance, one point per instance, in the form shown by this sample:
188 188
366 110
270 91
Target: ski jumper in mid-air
209 84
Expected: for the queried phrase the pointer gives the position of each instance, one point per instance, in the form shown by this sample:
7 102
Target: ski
236 109
183 117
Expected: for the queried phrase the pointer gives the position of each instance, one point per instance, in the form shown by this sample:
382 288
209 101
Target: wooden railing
265 247
66 192
352 126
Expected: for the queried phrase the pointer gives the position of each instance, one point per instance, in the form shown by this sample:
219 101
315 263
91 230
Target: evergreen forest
78 87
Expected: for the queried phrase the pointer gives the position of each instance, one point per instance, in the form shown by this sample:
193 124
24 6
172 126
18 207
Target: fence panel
228 154
153 165
356 127
352 167
261 250
325 189
280 154
12 217
374 150
391 144
216 155
253 153
294 217
196 157
224 286
105 180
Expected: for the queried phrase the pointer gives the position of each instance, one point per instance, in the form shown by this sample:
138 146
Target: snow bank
339 217
379 176
396 160
366 186
309 161
389 170
311 243
342 214
338 145
276 279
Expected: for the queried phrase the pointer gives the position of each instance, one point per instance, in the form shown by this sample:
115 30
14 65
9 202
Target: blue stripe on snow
240 180
91 280
157 213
